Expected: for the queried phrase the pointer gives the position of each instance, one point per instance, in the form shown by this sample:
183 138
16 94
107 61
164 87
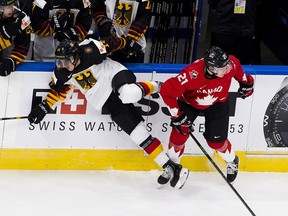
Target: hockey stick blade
13 118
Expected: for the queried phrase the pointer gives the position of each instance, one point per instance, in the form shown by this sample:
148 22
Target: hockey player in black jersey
56 20
107 85
14 36
129 19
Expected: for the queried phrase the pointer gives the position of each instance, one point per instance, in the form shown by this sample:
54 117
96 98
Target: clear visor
63 63
220 72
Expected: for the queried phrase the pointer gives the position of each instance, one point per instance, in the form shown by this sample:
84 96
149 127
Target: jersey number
182 78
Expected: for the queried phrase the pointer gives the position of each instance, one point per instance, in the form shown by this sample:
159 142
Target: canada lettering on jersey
209 91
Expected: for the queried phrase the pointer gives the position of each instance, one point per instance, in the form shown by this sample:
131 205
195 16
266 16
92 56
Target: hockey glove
182 124
10 29
66 34
246 89
6 66
132 49
38 113
105 28
60 21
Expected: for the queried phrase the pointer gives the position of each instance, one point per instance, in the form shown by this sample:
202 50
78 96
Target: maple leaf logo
206 101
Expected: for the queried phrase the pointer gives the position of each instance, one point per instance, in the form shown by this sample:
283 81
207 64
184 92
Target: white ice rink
123 193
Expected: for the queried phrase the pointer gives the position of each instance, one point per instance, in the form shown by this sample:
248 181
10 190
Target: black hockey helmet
68 50
7 2
214 58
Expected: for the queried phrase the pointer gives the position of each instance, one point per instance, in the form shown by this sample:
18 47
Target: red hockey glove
182 124
246 89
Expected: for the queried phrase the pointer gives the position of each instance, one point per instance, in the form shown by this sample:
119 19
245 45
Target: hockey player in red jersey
107 85
203 87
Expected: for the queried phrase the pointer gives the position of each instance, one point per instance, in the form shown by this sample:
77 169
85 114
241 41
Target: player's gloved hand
113 43
246 88
60 21
63 34
182 124
11 29
38 113
132 49
105 28
6 66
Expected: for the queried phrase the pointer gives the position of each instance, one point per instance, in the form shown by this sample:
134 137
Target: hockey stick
221 173
175 38
156 6
12 118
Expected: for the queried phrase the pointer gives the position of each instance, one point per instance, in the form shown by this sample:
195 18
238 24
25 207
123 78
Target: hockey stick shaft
12 118
221 173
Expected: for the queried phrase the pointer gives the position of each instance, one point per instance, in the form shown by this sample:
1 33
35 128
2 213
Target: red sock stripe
220 146
153 146
146 87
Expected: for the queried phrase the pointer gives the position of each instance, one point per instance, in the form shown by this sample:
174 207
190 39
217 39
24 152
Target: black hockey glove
65 34
6 66
182 124
132 49
246 89
38 113
105 28
11 29
60 21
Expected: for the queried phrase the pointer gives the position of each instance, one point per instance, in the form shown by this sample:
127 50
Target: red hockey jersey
191 85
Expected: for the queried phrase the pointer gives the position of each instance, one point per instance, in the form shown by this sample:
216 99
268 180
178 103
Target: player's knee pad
139 134
220 146
121 78
130 93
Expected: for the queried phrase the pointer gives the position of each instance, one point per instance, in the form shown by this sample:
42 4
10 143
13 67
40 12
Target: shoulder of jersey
195 69
234 61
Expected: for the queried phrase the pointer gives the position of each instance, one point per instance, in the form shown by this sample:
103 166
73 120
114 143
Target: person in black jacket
15 33
233 29
127 19
55 20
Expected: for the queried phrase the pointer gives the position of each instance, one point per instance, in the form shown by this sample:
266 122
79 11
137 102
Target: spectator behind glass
233 29
14 36
130 20
54 21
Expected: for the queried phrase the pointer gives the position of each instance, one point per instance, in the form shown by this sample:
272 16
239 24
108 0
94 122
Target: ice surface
130 193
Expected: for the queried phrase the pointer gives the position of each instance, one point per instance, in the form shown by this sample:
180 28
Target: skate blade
183 177
159 186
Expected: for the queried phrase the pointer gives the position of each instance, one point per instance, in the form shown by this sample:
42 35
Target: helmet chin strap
208 74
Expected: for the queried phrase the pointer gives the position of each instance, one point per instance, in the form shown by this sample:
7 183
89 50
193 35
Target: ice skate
173 173
232 169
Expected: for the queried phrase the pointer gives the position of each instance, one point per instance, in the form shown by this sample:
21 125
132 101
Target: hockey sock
148 87
177 141
224 149
154 148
